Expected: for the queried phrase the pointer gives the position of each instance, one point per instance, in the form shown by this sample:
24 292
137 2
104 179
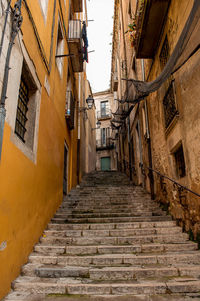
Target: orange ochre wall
30 193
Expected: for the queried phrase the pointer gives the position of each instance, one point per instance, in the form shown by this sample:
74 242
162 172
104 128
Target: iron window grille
164 54
169 104
169 101
22 109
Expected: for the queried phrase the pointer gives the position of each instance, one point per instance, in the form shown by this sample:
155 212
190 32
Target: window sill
28 152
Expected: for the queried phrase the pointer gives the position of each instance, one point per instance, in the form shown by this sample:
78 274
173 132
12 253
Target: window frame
179 160
60 47
44 9
20 60
22 109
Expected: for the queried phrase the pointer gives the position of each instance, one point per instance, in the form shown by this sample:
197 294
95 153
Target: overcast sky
100 38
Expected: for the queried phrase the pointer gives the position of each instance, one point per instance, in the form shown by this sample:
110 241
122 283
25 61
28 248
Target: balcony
104 114
76 45
104 144
69 110
78 6
149 23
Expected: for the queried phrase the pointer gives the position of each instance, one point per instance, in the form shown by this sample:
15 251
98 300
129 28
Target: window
164 54
134 64
70 104
22 108
23 105
104 108
60 48
103 136
130 10
44 7
169 105
169 101
180 162
26 108
68 94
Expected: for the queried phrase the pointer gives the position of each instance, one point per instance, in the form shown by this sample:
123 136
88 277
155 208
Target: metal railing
105 144
105 113
177 185
75 30
181 189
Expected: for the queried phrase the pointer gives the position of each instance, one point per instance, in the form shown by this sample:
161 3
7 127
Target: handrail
170 179
142 166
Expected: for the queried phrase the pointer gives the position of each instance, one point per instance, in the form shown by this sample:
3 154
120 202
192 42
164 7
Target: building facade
41 135
159 134
105 146
87 135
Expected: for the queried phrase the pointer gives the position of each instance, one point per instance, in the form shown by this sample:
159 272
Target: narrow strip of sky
100 40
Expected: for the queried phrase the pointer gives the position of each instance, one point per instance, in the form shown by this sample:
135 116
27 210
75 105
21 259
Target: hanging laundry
85 40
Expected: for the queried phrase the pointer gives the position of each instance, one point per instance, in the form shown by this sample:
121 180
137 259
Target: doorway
105 163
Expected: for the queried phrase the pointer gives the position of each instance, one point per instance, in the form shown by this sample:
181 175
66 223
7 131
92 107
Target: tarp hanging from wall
188 42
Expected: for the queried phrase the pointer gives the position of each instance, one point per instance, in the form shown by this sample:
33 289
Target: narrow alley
99 150
114 243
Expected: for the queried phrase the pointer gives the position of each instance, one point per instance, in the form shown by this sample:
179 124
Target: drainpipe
16 24
150 174
4 27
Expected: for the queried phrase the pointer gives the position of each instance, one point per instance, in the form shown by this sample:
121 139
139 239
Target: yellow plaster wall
30 193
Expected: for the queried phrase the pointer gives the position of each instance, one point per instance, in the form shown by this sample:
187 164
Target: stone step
108 209
110 273
137 273
90 208
35 285
118 259
137 288
110 215
109 238
111 219
26 296
110 249
113 233
172 238
54 271
84 200
112 226
105 192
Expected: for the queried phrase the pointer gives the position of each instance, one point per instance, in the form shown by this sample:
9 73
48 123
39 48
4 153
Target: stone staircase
109 239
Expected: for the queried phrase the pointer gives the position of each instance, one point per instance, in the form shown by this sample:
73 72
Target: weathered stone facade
105 146
164 127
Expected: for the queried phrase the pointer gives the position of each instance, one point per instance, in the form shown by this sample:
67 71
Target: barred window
164 54
169 104
60 47
22 109
169 101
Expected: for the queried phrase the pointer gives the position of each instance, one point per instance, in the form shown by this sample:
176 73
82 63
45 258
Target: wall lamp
98 125
90 103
